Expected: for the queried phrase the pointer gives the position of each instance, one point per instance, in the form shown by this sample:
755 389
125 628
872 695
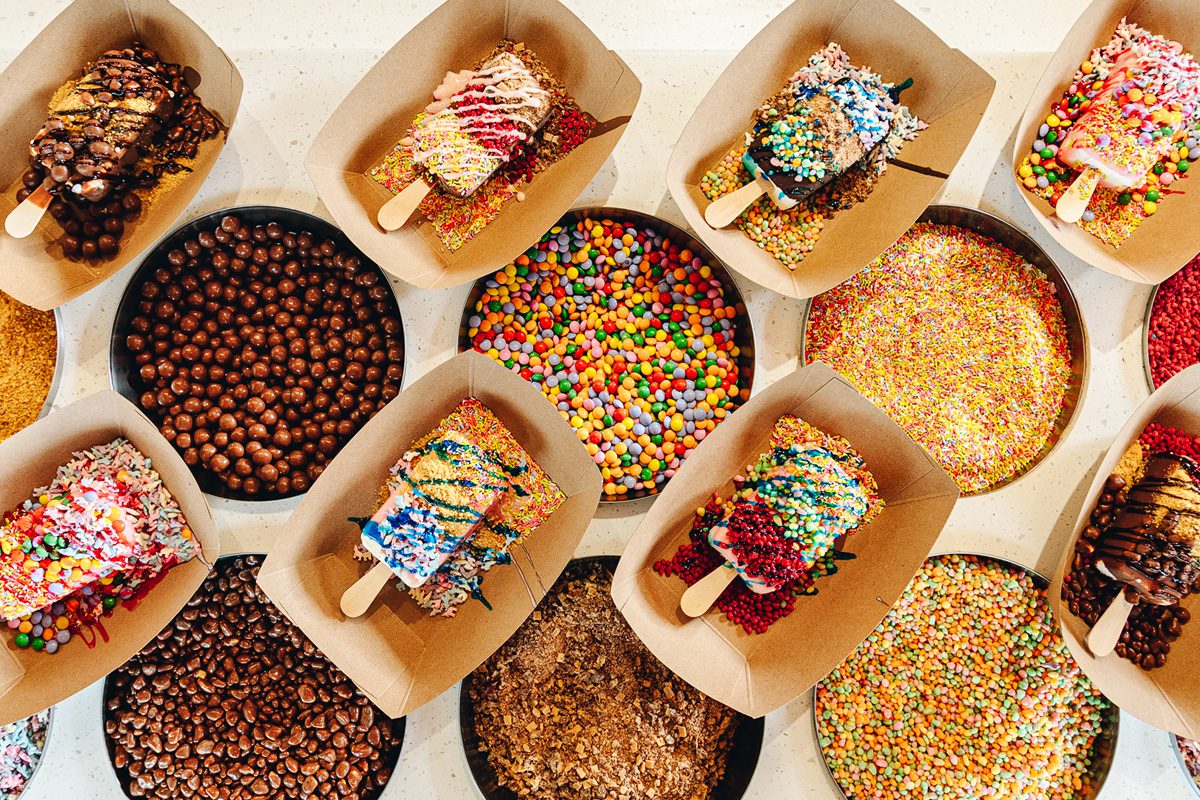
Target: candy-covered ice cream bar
792 506
1152 90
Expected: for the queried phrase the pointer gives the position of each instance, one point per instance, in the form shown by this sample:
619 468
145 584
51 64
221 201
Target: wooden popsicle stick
1075 199
23 219
1105 634
359 597
700 596
725 209
397 211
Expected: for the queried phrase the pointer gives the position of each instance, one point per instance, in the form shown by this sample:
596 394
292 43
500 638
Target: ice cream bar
1151 91
63 543
90 141
825 132
448 485
479 119
1151 543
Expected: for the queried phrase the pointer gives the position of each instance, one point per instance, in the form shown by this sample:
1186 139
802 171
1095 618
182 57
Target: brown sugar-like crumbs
574 705
28 355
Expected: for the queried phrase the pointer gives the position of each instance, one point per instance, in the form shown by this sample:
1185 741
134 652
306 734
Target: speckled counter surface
300 57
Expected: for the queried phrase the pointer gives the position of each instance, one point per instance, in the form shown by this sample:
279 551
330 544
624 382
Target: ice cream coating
448 484
477 121
90 140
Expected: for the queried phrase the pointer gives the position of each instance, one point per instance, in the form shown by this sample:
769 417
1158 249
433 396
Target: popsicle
790 509
54 549
90 142
822 132
1152 544
478 121
1151 92
449 485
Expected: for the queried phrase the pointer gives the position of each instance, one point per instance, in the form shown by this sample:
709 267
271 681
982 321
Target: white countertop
300 57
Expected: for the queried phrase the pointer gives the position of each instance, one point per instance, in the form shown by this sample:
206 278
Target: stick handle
700 596
359 597
725 209
1105 634
1075 199
23 219
397 211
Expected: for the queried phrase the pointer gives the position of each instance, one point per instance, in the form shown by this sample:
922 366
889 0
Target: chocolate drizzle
1148 544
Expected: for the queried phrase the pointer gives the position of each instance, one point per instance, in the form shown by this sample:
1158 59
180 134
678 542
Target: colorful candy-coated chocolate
632 337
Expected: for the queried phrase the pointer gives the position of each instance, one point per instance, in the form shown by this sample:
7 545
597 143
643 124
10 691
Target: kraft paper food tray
31 681
757 674
396 653
33 269
949 91
1164 243
379 110
1168 697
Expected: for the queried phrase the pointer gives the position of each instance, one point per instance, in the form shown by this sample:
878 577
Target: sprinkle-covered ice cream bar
1128 119
478 121
829 128
528 501
448 484
793 504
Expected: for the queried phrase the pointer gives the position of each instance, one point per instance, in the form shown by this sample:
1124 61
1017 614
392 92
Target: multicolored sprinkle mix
965 689
632 337
960 340
21 746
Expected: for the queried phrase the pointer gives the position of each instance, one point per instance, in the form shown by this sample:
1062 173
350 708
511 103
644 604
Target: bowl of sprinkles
632 328
31 355
1171 332
966 689
22 744
967 335
1187 754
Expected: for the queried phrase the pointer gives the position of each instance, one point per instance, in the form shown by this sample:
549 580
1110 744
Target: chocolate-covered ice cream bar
1150 545
90 142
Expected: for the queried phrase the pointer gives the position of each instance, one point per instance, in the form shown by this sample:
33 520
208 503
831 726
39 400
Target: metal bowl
740 761
1146 338
59 363
41 759
1005 233
1192 780
122 774
122 368
743 337
1103 748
